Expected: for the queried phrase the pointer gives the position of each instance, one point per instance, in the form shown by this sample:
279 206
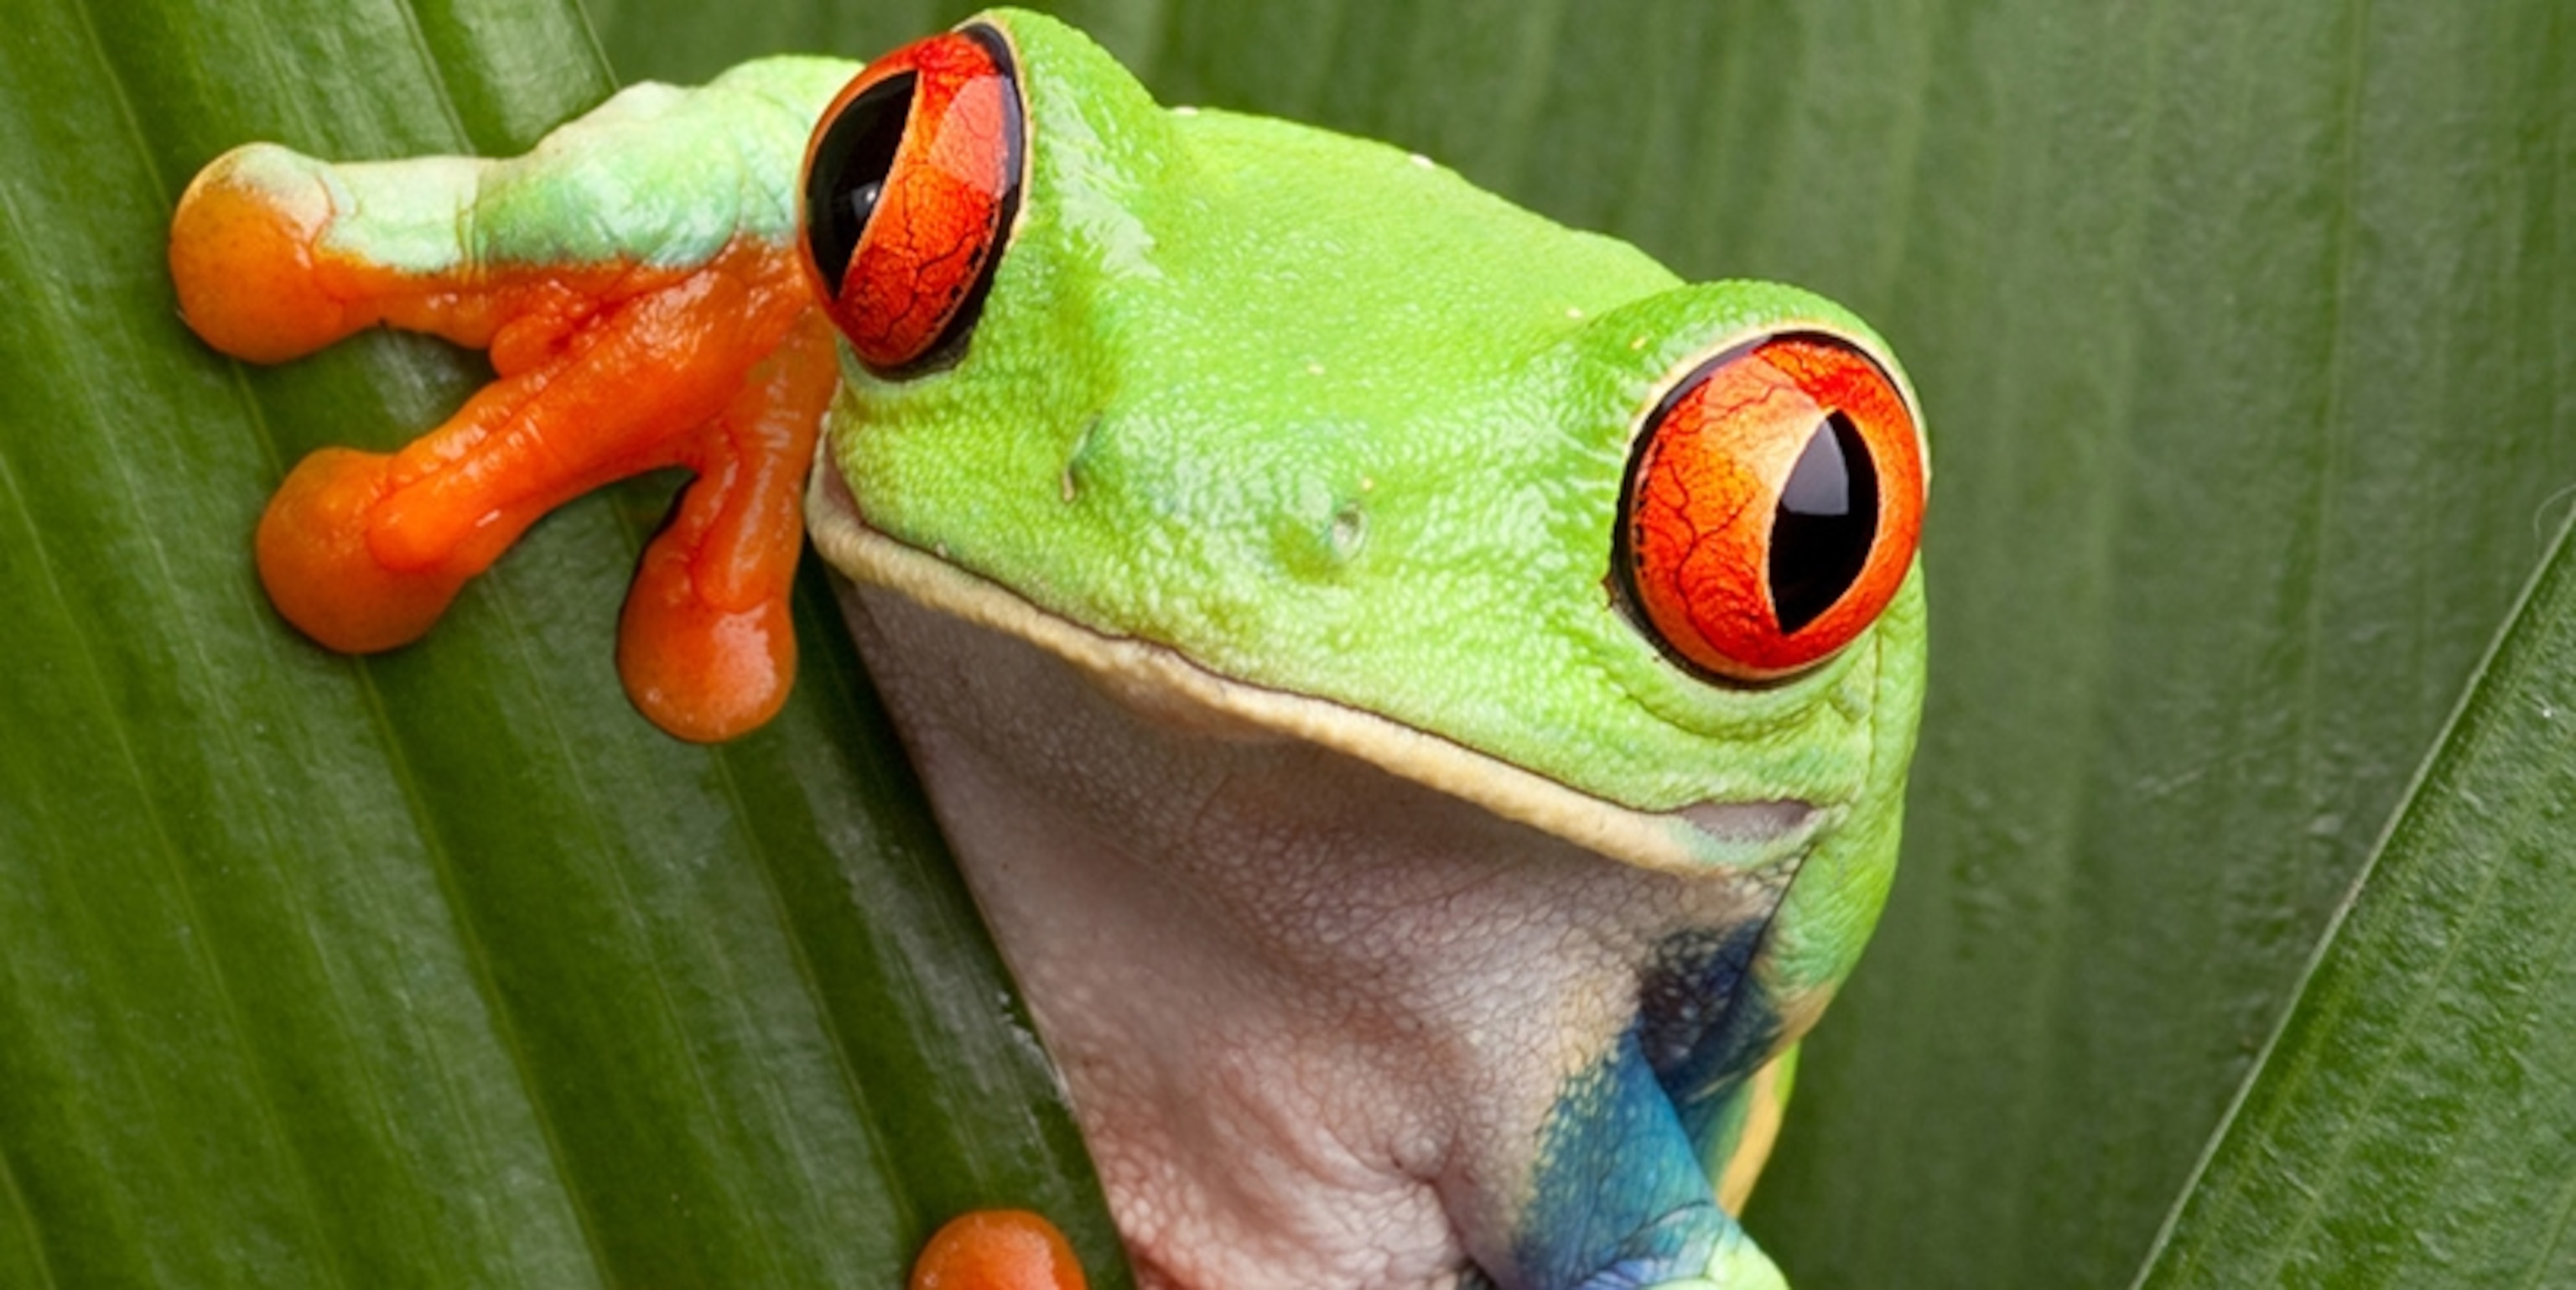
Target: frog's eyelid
911 185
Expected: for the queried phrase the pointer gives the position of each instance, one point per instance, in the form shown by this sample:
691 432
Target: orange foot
605 370
997 1249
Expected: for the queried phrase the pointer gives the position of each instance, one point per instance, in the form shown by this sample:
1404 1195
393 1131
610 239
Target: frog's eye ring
1773 503
911 180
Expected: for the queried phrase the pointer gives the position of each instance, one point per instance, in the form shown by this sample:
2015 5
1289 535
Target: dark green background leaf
2247 338
2414 1124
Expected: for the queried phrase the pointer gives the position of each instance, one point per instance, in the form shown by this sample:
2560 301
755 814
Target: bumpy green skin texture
1327 419
1316 415
1319 415
657 176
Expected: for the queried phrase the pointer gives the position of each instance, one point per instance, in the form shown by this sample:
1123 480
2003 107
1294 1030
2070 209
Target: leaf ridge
26 1221
765 863
478 962
516 635
16 498
173 862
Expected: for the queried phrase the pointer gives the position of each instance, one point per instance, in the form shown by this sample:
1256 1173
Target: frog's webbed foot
1719 1256
1722 1258
629 330
1733 1262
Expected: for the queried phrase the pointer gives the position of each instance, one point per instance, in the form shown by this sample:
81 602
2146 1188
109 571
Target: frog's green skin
657 175
1283 439
1394 907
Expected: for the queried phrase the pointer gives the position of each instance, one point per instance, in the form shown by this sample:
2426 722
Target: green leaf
2414 1122
2246 334
439 968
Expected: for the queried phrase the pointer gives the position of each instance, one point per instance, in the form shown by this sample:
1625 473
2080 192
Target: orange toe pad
997 1249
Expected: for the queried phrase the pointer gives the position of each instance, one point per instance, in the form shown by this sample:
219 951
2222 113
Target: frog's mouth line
1755 837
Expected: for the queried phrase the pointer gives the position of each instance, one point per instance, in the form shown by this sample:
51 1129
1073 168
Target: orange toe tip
320 572
997 1249
244 254
702 673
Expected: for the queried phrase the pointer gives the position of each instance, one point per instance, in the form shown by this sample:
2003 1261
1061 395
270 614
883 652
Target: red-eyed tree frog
1422 695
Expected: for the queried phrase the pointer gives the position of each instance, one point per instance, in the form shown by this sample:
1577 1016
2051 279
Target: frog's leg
1710 1022
1735 1155
1620 1198
636 281
1646 1155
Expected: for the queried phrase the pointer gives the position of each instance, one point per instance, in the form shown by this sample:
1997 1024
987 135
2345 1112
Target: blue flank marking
1621 1197
1701 1024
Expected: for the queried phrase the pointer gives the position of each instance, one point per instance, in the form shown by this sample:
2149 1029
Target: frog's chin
1765 837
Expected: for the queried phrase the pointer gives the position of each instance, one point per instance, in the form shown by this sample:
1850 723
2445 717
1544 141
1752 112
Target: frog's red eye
911 180
1772 507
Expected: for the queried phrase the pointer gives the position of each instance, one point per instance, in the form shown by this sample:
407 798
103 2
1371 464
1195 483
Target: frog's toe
997 1250
699 670
705 644
243 253
322 572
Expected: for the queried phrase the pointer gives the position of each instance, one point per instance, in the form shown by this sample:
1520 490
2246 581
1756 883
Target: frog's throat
1760 838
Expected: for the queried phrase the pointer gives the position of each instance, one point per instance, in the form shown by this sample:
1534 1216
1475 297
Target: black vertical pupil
1827 516
849 173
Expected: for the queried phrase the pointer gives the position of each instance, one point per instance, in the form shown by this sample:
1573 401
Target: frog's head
1250 418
